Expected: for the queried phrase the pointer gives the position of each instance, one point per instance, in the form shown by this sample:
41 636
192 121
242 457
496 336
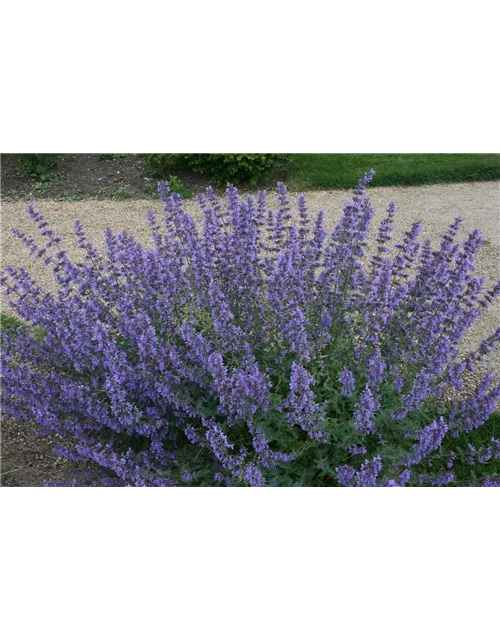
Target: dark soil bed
28 459
78 176
84 176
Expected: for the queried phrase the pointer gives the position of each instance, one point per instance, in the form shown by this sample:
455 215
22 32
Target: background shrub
220 168
39 164
258 350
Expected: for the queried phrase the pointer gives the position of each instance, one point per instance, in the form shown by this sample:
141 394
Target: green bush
37 163
220 168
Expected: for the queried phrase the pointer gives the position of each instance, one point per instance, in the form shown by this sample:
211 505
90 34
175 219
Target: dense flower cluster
254 349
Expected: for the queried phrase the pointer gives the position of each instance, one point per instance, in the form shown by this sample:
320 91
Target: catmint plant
255 349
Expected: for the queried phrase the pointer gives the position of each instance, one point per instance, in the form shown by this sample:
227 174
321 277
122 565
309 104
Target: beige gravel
436 205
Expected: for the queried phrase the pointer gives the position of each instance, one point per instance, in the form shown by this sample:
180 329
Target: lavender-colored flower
376 368
268 458
365 410
450 459
475 409
484 455
346 379
471 454
366 478
303 409
385 232
402 481
217 441
345 474
420 390
437 481
356 449
491 482
367 475
429 439
253 476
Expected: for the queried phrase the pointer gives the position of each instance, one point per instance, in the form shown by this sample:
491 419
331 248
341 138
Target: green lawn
343 170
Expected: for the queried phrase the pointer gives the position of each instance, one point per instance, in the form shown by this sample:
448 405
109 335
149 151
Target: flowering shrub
220 168
257 350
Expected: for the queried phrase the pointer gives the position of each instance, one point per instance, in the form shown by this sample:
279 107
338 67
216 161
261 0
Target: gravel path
436 206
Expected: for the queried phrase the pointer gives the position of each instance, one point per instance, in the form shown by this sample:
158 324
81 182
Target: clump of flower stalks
255 350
